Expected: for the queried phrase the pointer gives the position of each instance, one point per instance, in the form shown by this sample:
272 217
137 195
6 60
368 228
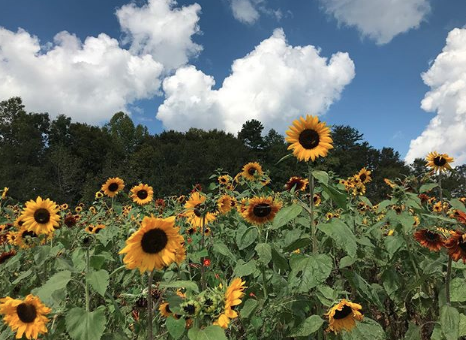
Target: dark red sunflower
456 246
429 239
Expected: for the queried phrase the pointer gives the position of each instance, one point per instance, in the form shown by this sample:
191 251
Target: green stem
264 283
203 283
315 249
447 282
149 306
86 288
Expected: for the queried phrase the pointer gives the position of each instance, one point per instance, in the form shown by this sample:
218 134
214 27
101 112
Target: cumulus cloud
275 83
249 11
161 30
87 81
447 97
380 20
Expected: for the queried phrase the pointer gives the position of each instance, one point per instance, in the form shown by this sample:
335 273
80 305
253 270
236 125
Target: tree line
68 161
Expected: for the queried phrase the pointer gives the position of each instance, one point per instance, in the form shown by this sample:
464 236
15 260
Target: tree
251 134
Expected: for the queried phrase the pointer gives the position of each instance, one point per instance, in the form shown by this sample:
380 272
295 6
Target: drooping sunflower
233 296
194 207
309 138
154 245
25 317
343 316
113 186
164 309
40 216
225 203
261 210
298 183
365 175
429 239
439 162
142 194
252 171
456 246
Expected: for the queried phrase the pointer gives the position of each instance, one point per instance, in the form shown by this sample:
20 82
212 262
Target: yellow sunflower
4 192
25 317
225 203
438 162
164 309
365 175
224 179
154 245
40 216
142 194
251 171
98 195
113 186
343 316
309 138
233 296
193 213
261 210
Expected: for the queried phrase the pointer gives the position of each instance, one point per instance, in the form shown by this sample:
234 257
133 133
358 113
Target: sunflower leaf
265 252
341 234
208 333
180 284
285 215
427 187
83 325
284 158
450 322
56 283
99 281
308 272
311 325
244 238
176 327
249 307
365 330
337 196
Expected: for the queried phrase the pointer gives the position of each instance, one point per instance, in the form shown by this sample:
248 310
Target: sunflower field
237 260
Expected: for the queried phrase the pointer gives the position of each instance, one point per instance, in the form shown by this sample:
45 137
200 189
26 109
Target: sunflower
233 296
456 246
438 207
343 316
142 194
365 175
225 203
193 210
298 183
112 187
40 216
164 309
252 171
389 183
261 210
309 138
25 316
317 200
429 239
6 255
154 245
438 162
64 206
98 195
224 179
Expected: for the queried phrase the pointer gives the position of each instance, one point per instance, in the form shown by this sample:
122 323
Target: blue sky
376 88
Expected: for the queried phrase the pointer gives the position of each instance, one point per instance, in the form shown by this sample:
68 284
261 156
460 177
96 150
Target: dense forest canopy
69 161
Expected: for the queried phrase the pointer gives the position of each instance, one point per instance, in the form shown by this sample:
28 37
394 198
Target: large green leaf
279 260
99 281
457 290
341 234
246 238
450 322
82 325
321 176
221 248
309 271
366 330
176 327
338 197
249 307
245 269
208 333
56 283
309 326
265 252
285 215
393 244
180 284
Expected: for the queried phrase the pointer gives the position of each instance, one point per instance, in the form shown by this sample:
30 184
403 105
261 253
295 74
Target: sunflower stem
203 283
86 287
149 305
264 282
447 282
315 249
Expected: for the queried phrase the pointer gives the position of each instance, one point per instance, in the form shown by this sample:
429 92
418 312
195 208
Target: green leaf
310 325
279 260
427 187
462 326
176 327
309 271
249 307
55 283
82 325
321 176
341 234
96 261
99 281
346 261
208 333
286 214
22 276
180 284
457 290
368 329
245 269
221 248
413 333
338 197
284 157
450 322
42 254
390 281
299 243
393 244
265 253
244 240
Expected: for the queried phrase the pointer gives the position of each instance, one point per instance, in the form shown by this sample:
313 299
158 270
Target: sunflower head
225 203
164 310
25 317
261 210
233 295
429 239
365 175
298 183
438 162
40 216
309 138
343 316
456 246
142 194
224 179
112 186
252 171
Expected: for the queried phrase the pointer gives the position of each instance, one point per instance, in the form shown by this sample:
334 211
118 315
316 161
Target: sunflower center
362 177
189 309
341 314
142 194
309 139
440 161
113 187
28 233
262 209
252 171
197 210
154 241
27 313
462 245
42 215
208 302
431 237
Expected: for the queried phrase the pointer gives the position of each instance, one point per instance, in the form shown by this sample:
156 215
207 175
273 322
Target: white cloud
380 20
447 97
161 30
244 11
275 83
87 81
